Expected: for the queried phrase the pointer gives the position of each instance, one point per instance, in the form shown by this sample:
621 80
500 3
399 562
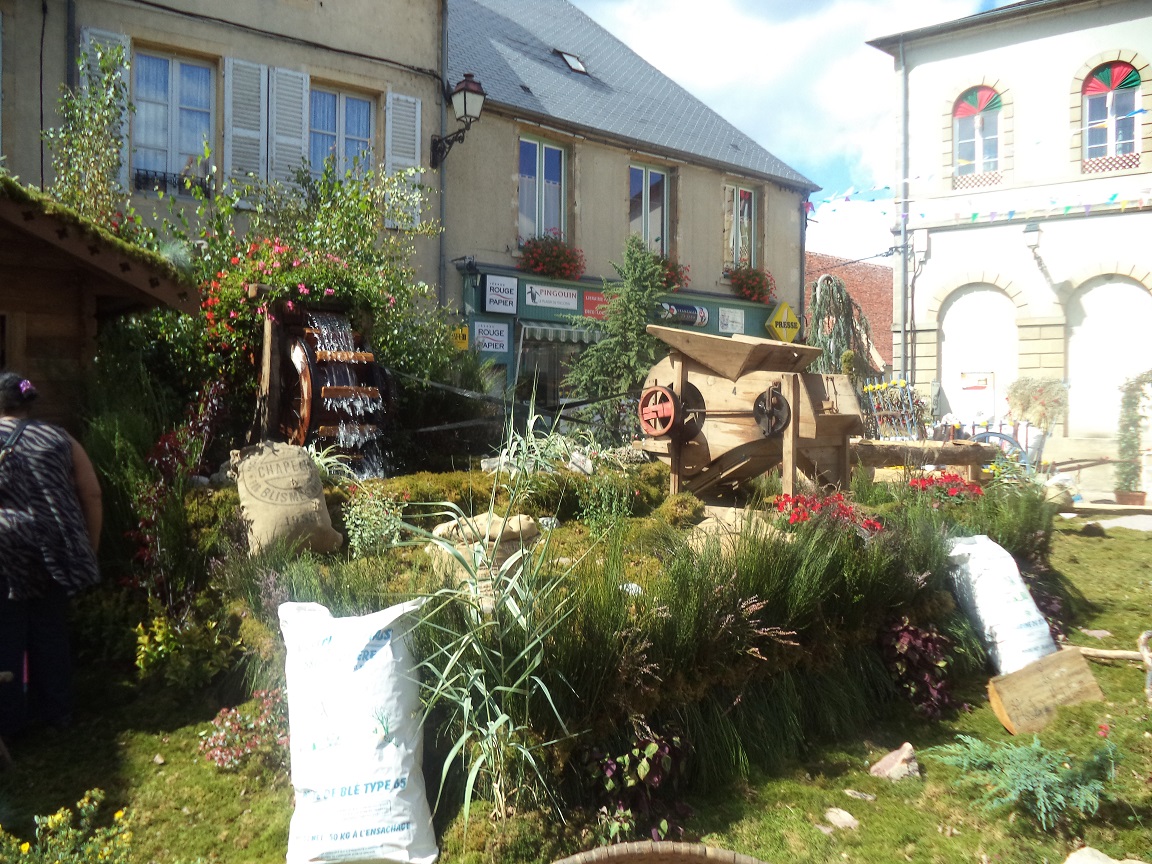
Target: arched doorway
978 352
1109 327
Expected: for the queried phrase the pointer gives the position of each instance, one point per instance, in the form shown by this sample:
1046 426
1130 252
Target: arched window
976 138
1110 115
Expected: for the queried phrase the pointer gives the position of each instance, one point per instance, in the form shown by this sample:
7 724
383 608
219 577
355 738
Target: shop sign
491 336
783 324
682 313
730 320
460 337
500 294
595 304
552 297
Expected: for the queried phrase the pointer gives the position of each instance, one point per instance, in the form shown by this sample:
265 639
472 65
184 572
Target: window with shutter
289 123
402 141
341 127
245 120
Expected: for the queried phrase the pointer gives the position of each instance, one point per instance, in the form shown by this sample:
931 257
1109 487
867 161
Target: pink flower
302 288
233 314
289 305
328 292
1103 729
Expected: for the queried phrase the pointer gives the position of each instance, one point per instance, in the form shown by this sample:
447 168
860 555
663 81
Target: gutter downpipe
803 259
70 52
441 287
904 372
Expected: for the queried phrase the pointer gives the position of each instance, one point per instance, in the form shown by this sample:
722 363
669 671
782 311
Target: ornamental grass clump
549 255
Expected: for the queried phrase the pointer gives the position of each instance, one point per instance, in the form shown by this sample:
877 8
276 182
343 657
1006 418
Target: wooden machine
722 409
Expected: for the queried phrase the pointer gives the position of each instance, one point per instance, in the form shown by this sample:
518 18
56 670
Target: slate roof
512 48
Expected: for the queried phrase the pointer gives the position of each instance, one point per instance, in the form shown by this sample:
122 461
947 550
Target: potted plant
751 283
1128 440
675 274
548 255
1042 402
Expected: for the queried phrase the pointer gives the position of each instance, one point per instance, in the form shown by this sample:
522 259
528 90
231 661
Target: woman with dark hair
50 517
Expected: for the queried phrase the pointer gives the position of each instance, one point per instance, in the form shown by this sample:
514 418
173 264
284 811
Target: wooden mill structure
722 409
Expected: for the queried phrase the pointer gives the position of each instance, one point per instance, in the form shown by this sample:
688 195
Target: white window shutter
402 138
288 141
108 39
245 120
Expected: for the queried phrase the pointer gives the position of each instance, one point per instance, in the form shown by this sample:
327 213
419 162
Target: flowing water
359 416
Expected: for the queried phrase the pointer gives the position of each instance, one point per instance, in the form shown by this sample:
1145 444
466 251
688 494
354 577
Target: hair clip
27 388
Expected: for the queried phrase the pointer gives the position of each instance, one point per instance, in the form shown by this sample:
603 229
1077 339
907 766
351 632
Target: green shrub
681 510
1045 784
373 521
62 838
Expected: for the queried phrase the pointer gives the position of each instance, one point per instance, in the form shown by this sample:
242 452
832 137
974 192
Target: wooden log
884 454
1025 700
1104 653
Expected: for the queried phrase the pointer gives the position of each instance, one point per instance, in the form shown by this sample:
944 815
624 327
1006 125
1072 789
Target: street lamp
467 103
1032 235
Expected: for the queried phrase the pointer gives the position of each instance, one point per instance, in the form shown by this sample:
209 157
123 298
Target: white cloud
798 78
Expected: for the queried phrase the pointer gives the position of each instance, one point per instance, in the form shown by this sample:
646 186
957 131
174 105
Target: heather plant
1047 785
238 737
65 837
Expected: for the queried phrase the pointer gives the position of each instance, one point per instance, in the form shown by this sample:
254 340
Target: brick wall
870 285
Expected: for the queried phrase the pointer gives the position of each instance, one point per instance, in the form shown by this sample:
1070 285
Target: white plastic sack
988 587
356 738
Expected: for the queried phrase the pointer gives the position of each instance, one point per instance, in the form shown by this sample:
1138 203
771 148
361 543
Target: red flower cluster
801 508
675 275
752 284
550 256
947 487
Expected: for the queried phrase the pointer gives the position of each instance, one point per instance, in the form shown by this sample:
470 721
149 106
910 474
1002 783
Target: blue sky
799 78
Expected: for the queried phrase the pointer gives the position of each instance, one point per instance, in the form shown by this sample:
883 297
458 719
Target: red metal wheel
659 412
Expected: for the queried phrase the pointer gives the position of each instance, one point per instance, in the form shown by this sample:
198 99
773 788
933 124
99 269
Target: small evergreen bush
1047 785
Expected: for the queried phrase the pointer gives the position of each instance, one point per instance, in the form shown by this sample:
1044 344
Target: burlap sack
282 498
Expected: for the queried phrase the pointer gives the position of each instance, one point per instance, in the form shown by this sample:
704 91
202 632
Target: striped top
43 534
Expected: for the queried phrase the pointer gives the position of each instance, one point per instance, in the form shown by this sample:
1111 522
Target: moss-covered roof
133 265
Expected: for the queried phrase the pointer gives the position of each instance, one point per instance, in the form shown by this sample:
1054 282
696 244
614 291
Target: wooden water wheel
323 386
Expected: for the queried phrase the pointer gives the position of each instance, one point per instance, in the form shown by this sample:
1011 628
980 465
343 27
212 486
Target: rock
859 796
158 759
1088 855
841 819
1093 529
1096 634
547 523
727 528
898 764
825 829
581 463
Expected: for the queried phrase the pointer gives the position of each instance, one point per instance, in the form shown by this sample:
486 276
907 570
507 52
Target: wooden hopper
720 409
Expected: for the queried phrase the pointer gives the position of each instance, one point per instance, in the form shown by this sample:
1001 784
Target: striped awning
561 333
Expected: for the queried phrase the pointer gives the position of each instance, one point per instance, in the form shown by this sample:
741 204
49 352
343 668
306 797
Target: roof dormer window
574 62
